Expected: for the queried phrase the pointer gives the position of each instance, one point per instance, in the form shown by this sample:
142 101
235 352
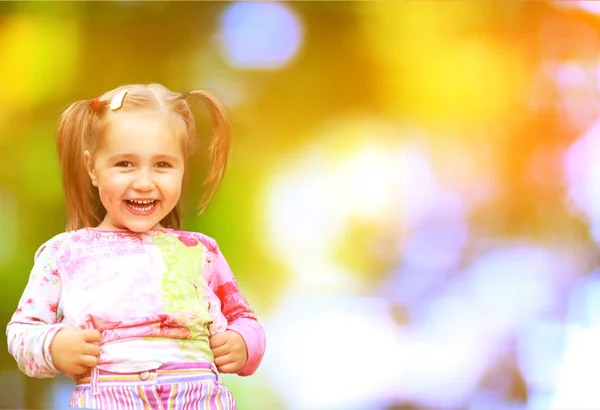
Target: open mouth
141 205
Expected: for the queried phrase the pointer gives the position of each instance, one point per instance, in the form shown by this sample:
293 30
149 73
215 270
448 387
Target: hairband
94 104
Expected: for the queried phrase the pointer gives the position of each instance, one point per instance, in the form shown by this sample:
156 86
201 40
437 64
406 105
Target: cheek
110 185
172 184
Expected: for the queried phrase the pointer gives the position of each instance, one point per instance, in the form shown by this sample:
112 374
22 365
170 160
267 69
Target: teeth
133 201
141 206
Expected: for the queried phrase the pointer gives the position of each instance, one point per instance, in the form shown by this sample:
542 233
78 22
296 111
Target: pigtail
219 147
81 196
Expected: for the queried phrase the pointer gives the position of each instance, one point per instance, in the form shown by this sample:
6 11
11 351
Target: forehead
144 132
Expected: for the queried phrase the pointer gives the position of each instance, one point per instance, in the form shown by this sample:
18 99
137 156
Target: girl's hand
229 350
75 351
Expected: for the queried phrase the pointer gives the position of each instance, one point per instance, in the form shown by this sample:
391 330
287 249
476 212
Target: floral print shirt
156 297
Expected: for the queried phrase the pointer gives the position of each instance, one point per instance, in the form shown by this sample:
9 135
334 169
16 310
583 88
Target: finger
218 340
91 349
89 361
221 351
230 368
80 370
91 335
224 360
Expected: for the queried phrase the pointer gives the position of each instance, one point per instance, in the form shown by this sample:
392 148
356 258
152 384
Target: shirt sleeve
34 324
239 314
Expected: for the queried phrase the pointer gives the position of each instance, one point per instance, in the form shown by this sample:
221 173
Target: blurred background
412 204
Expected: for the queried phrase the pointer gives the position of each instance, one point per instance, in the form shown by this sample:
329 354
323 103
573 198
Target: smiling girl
139 313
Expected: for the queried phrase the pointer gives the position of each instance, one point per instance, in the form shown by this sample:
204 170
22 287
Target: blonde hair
81 127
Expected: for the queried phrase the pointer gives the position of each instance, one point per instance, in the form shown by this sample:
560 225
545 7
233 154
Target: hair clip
94 103
117 100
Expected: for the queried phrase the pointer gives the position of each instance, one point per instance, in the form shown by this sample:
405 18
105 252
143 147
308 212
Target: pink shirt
156 297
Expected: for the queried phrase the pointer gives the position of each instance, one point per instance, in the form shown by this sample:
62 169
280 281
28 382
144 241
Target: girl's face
138 169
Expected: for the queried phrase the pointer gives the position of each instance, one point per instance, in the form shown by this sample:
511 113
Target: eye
124 164
163 164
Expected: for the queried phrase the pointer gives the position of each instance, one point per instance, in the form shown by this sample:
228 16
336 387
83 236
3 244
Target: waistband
165 374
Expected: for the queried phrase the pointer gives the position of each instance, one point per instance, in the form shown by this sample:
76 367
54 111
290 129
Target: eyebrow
155 157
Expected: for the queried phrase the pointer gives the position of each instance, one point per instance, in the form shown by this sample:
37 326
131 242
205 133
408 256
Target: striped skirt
184 386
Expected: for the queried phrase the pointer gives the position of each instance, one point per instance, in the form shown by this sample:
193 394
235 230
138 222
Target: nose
143 181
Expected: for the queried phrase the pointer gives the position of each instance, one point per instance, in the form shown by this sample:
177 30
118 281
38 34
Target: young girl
137 312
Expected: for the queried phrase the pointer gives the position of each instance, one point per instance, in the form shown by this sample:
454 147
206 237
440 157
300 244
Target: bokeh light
40 57
356 174
590 6
260 35
337 331
583 177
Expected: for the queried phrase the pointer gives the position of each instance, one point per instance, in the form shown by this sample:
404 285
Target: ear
89 166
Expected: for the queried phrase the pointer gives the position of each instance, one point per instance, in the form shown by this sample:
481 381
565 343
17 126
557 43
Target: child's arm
34 324
239 314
